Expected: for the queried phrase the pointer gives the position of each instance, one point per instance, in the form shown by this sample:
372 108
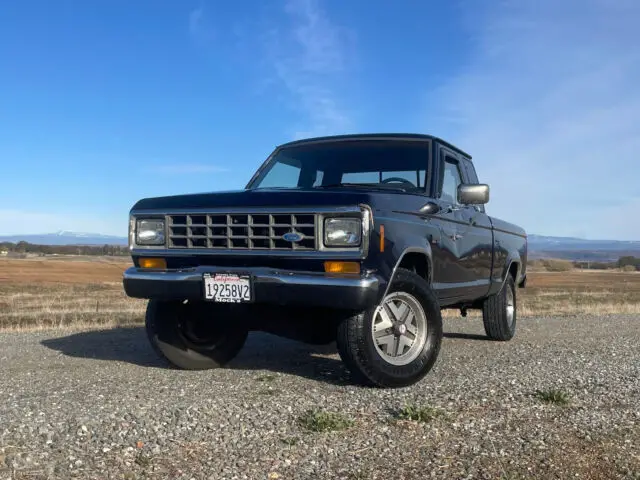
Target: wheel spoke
398 312
387 341
409 318
385 321
382 333
403 341
411 328
396 346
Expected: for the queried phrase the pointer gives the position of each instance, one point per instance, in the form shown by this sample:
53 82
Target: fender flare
426 251
513 257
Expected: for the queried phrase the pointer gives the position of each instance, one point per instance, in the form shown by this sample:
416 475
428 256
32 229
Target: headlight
150 232
342 232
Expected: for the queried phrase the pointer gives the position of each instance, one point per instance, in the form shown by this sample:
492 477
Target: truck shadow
262 352
465 336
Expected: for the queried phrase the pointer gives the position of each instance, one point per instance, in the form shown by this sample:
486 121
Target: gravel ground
99 405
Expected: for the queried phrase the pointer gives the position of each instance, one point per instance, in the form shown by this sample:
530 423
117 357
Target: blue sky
102 103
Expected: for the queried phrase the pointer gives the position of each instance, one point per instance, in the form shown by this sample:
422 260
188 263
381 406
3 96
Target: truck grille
241 231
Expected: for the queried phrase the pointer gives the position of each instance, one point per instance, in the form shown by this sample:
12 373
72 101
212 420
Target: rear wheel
396 343
195 336
499 312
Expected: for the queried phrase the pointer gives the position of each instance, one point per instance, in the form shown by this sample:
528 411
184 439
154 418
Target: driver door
448 275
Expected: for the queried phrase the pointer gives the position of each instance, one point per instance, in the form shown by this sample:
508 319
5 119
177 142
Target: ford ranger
361 240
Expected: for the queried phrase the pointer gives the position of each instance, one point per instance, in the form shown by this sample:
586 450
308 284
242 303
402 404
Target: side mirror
473 193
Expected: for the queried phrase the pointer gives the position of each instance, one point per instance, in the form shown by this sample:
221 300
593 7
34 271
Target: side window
471 172
473 178
451 178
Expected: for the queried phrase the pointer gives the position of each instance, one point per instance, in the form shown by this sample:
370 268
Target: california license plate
227 287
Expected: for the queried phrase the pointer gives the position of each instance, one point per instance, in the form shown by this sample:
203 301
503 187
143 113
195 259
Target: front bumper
269 286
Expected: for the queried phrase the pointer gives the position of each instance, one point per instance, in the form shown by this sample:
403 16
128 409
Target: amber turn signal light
342 267
160 263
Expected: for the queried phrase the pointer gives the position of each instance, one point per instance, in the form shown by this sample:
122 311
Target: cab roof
374 136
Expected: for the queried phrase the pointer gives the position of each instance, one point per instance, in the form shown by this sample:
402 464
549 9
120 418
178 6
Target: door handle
452 234
452 208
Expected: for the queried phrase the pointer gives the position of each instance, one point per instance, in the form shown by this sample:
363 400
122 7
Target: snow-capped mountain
63 237
541 242
580 249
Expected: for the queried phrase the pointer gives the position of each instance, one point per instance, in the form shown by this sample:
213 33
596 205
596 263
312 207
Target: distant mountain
66 238
571 248
540 246
541 242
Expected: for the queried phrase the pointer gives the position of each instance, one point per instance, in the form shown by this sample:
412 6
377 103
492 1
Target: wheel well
416 262
513 270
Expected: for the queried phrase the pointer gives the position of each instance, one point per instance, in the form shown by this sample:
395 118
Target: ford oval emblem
292 236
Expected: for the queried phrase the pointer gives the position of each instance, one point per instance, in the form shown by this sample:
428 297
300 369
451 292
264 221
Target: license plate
227 288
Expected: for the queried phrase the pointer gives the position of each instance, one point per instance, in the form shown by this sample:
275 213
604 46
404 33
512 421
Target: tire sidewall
164 333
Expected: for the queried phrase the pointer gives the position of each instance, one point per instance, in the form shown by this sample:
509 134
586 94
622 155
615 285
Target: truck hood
265 198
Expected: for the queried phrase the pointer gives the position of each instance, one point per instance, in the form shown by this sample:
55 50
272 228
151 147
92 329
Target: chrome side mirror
473 193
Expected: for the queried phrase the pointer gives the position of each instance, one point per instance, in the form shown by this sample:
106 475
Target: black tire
364 358
498 323
170 328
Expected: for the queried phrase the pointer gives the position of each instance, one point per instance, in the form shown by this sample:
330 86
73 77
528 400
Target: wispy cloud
187 169
309 58
200 28
549 108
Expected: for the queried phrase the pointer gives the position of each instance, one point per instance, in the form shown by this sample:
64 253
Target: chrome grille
246 231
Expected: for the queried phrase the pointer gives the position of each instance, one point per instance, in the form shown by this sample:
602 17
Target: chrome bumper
269 286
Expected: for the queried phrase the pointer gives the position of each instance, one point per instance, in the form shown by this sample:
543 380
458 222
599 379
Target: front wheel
396 343
195 336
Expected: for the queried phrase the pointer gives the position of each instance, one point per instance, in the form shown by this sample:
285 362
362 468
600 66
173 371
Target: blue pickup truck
360 240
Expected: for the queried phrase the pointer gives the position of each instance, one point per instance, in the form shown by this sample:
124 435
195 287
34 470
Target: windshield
371 163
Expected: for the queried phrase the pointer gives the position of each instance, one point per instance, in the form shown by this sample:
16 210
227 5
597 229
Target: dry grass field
87 292
55 292
581 291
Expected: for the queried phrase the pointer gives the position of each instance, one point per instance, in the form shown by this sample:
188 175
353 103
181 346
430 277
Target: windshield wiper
275 188
363 185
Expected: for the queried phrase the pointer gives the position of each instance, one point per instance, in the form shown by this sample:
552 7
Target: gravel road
100 405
